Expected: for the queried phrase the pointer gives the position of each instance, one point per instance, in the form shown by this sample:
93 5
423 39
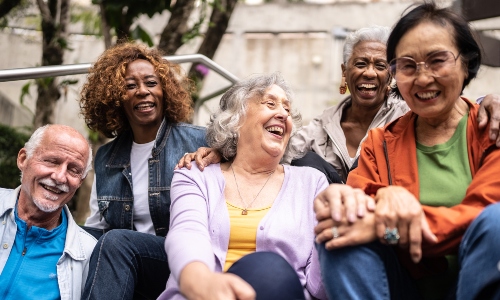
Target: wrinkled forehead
65 144
369 50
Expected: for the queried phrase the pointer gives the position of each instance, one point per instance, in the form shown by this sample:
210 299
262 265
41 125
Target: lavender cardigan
199 224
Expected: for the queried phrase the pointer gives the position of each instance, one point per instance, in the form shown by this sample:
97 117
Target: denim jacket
114 176
72 267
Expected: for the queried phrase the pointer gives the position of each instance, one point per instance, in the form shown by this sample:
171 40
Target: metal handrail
63 70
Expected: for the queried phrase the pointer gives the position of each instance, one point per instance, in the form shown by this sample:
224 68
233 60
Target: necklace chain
245 211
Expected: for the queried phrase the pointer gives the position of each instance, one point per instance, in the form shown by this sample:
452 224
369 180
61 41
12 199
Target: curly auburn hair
105 90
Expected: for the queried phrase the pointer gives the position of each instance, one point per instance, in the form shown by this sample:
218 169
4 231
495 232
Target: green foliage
44 82
11 141
119 12
93 136
3 23
68 82
89 19
195 30
63 43
138 33
25 91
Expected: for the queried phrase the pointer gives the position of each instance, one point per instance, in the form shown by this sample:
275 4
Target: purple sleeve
314 283
188 239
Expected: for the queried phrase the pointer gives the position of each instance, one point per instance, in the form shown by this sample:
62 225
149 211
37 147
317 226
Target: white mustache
49 182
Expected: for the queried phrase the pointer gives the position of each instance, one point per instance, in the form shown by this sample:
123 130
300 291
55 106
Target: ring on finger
335 232
391 236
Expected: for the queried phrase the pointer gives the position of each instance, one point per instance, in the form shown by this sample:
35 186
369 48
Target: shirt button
5 246
3 222
261 227
127 207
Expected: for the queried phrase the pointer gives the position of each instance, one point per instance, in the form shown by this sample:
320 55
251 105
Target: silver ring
335 232
391 236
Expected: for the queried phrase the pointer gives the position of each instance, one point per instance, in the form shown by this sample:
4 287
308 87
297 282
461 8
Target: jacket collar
120 157
336 114
73 244
401 135
7 205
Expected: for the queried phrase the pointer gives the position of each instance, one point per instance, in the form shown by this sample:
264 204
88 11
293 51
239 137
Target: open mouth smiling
144 106
276 130
51 188
367 87
427 95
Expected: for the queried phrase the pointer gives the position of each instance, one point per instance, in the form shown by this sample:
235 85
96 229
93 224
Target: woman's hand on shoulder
203 156
197 282
489 112
400 214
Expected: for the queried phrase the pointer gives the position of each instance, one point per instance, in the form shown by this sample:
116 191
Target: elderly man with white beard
44 254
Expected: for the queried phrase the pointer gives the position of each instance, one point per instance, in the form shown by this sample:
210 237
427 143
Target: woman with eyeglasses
331 142
431 175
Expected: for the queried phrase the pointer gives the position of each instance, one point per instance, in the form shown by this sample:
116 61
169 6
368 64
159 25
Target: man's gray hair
223 129
36 138
372 34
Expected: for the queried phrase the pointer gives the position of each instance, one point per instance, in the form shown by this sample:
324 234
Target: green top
443 170
444 175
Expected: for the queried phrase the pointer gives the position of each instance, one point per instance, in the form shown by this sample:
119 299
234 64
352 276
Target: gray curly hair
223 129
372 34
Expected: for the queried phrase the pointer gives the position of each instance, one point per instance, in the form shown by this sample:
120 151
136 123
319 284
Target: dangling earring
343 86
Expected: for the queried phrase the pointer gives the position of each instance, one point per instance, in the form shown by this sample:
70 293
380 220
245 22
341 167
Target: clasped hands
356 218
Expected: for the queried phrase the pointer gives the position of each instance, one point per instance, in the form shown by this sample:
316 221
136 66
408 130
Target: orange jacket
388 156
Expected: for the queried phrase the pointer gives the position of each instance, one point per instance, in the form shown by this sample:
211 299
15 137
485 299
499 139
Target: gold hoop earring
343 86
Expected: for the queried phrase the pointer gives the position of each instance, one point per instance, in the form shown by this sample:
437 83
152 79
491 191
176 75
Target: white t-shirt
141 216
139 164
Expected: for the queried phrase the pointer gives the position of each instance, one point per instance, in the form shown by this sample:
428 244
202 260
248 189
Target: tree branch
171 37
44 11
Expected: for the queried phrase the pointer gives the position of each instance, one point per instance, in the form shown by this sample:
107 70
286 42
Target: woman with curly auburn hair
106 89
134 95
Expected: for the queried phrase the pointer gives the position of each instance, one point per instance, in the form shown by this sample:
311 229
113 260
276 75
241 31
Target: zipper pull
24 251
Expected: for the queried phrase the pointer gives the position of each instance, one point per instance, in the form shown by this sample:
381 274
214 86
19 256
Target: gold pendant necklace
245 211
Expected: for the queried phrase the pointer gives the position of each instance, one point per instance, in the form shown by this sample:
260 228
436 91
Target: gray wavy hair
223 129
36 138
373 34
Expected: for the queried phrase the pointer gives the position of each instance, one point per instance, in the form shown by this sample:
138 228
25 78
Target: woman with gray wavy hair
244 228
222 132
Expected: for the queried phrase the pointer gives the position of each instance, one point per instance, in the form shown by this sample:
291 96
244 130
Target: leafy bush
11 141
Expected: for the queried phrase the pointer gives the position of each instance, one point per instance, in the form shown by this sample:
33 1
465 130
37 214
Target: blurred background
301 39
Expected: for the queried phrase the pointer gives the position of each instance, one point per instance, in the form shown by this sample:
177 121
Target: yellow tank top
243 232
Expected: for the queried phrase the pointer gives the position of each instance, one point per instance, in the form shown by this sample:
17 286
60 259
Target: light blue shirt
31 269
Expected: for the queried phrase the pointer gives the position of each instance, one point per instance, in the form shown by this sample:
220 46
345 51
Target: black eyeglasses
438 64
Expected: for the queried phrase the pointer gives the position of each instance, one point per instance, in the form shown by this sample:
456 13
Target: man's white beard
46 207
